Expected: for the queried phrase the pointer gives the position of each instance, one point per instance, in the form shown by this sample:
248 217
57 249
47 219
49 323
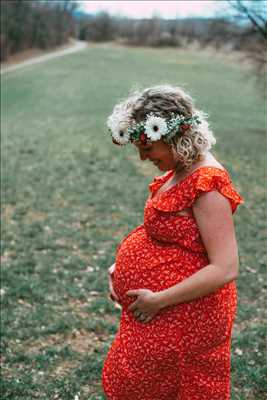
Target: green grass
70 196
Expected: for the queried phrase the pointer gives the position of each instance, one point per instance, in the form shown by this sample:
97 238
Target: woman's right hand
112 294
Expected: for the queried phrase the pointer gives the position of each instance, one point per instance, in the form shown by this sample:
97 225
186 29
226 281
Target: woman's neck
181 172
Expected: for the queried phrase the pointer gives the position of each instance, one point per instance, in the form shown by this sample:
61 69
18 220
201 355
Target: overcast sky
164 9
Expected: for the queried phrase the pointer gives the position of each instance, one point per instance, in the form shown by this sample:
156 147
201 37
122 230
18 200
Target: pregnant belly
143 262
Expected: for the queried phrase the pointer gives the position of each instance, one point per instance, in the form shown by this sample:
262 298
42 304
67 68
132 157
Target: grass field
69 197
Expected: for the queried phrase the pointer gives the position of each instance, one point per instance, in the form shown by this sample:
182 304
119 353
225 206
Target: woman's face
159 153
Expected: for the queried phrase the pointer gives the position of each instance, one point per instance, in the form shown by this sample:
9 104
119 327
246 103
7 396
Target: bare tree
35 24
253 11
254 15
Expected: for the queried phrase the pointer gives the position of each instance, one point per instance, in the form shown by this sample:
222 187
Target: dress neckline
168 176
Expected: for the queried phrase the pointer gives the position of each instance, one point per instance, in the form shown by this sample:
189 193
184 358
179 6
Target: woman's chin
162 167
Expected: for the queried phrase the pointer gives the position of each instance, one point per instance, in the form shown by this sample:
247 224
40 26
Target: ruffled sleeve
202 180
216 179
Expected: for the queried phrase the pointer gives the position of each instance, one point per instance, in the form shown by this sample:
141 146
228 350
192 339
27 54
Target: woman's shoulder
209 161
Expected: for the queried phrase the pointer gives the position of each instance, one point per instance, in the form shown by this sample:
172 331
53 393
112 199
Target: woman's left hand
146 306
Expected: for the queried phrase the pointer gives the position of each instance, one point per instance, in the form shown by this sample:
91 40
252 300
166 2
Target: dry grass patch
78 306
8 211
83 341
80 341
6 256
63 368
34 216
37 346
241 326
94 389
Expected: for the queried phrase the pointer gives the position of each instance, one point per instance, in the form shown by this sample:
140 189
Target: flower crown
151 129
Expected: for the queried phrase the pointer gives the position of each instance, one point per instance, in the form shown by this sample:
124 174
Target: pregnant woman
174 275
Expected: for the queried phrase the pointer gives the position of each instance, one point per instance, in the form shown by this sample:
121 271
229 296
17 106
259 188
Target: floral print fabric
183 353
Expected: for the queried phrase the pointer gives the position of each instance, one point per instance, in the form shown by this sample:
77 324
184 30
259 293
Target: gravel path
78 46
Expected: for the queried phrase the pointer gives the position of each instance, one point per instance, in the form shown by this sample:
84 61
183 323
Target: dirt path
77 46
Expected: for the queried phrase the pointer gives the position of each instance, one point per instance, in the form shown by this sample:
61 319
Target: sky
164 9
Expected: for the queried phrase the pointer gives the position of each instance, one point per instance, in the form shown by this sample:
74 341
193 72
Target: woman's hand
112 294
146 306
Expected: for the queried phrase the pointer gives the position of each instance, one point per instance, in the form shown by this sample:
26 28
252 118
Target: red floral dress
183 353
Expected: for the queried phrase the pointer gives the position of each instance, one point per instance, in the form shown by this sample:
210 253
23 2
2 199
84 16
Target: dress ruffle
159 181
186 192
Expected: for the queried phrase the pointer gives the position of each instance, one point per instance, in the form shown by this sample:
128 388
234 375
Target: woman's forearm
201 283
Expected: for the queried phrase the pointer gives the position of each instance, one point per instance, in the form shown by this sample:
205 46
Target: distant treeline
161 32
35 24
245 32
46 24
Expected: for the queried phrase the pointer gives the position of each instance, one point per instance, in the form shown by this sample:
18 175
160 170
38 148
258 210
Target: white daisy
155 127
120 133
118 124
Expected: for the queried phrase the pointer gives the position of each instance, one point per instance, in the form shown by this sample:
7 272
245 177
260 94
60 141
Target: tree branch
252 17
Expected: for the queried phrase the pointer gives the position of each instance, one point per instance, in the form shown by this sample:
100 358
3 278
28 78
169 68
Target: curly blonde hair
162 100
